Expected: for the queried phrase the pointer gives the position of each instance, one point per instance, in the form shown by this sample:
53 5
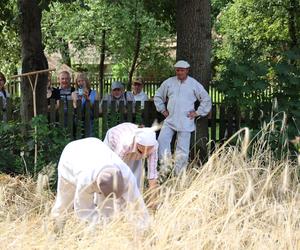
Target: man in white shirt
181 92
137 91
88 168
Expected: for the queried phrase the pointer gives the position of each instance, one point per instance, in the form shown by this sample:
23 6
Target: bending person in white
88 167
132 144
181 92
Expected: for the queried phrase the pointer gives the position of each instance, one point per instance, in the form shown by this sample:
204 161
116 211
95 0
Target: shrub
18 145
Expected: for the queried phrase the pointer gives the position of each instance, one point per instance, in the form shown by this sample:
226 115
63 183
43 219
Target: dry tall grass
233 202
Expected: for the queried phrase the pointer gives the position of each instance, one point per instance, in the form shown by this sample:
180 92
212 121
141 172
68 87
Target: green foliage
83 27
113 119
11 144
287 79
217 6
256 62
276 135
252 54
163 10
154 38
242 81
10 48
18 141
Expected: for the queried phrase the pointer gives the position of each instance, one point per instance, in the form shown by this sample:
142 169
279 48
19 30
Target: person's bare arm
153 190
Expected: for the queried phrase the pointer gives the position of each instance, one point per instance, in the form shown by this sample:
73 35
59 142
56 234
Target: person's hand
192 114
153 187
165 113
153 184
86 94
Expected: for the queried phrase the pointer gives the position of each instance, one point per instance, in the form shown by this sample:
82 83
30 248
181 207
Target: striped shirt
121 140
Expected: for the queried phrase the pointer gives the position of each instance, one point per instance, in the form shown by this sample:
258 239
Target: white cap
145 137
117 85
182 64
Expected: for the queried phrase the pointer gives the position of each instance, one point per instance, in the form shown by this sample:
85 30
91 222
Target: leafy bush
17 142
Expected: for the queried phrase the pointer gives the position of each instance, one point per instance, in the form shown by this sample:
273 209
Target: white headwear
145 137
182 64
117 85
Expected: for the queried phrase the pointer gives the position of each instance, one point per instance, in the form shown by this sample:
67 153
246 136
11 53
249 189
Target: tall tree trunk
292 16
193 26
101 64
33 58
138 37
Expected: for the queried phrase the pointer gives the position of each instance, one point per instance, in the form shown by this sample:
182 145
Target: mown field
233 202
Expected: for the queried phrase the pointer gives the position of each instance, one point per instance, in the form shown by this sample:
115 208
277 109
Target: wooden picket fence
150 87
88 121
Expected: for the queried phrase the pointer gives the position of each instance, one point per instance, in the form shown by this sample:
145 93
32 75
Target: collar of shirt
182 81
139 94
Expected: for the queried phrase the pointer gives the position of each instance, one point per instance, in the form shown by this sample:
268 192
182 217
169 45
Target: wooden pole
33 88
32 73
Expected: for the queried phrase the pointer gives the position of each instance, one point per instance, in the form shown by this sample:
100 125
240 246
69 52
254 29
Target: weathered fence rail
88 121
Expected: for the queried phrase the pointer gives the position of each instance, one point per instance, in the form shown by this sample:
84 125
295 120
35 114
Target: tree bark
33 58
193 26
138 37
292 10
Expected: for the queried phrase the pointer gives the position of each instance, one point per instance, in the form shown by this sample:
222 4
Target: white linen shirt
80 164
181 97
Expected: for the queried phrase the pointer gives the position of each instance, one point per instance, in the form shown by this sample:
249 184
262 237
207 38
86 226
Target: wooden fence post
96 119
222 123
138 119
121 111
213 128
61 115
87 119
1 110
52 111
70 118
130 111
78 122
104 118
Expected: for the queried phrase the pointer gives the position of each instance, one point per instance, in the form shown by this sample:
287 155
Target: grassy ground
233 202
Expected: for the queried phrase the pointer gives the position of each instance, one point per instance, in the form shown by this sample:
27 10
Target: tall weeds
235 201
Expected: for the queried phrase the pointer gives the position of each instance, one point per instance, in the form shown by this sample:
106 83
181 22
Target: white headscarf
145 137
